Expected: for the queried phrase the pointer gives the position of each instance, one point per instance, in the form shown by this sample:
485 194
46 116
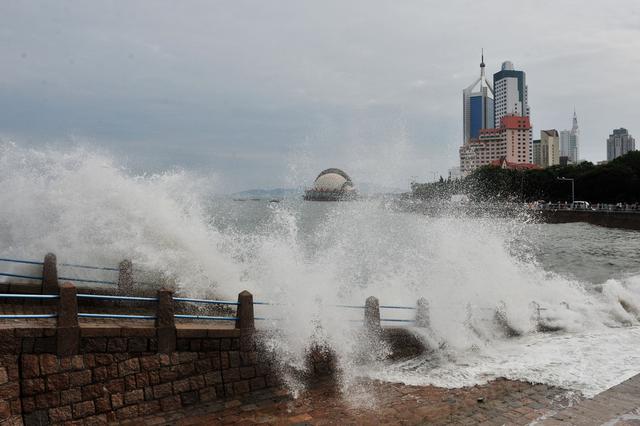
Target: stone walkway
619 406
371 403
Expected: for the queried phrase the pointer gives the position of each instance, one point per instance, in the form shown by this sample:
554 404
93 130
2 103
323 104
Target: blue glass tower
477 100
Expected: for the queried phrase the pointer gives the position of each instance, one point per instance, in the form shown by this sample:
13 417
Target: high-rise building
570 142
511 96
619 143
510 141
536 152
477 105
549 148
574 140
564 143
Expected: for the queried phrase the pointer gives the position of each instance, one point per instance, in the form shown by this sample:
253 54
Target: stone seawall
609 219
119 375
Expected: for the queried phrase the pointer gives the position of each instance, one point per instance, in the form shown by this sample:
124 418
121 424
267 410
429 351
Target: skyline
269 95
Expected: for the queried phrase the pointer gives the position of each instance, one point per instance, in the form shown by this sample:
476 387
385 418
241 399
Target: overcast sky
268 93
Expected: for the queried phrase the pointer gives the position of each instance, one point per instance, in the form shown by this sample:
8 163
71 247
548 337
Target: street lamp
573 192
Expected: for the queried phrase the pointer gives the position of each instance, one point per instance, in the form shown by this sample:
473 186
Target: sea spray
480 275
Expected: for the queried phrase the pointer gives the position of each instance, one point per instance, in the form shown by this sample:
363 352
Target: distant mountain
363 188
268 193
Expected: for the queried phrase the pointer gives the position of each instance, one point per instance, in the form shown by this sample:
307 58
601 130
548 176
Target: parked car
581 205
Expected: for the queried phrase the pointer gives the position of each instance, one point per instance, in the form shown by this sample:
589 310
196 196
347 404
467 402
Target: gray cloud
246 88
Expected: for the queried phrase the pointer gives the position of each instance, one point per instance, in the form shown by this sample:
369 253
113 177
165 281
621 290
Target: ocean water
306 257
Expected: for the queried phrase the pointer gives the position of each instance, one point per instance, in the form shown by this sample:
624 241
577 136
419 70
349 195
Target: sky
266 94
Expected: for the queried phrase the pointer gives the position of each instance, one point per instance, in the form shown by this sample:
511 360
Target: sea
571 292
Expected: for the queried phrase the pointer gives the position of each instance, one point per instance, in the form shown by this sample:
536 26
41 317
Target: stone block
197 382
149 407
47 400
48 364
30 366
151 362
163 390
60 414
80 378
103 404
115 386
213 378
70 395
231 375
133 396
257 383
117 400
207 394
234 359
28 404
168 374
32 386
187 369
16 406
225 345
210 345
247 372
170 403
138 344
164 359
104 359
130 382
142 379
241 387
184 357
203 365
189 398
93 344
5 410
98 420
83 409
129 366
127 412
180 386
117 344
100 374
10 390
95 390
89 360
195 345
154 377
36 418
45 345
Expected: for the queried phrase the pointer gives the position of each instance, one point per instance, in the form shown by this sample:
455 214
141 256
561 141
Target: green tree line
616 181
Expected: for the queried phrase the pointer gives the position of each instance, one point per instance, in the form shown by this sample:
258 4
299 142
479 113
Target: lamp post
573 192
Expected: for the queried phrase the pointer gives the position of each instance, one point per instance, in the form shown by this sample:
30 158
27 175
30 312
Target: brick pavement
499 402
619 406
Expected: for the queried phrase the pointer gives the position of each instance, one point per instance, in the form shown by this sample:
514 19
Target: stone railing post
245 311
372 314
422 313
50 275
68 332
125 277
165 322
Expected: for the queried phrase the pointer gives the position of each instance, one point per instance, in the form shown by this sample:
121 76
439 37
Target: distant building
477 105
570 142
564 160
510 141
536 152
504 164
511 96
619 143
455 173
549 148
331 185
